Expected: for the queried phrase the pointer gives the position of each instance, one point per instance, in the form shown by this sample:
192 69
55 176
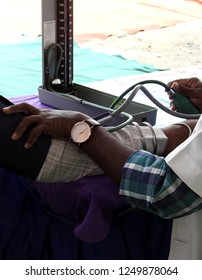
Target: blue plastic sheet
21 67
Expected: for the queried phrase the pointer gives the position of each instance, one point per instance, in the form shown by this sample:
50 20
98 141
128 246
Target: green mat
21 67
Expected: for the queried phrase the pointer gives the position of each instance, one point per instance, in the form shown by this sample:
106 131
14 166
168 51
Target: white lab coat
186 162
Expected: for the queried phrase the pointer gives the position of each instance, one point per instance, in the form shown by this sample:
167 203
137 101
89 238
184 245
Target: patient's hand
191 87
55 123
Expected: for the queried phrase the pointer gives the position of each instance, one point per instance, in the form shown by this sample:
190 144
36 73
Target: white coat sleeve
186 160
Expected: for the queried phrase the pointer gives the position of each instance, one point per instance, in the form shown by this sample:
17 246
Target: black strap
13 155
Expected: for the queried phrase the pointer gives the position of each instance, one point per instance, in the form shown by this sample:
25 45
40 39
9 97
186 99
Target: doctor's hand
55 123
190 87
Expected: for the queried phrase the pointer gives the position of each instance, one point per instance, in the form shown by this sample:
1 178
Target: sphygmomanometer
186 109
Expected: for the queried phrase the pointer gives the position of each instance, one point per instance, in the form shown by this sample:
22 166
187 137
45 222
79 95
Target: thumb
182 89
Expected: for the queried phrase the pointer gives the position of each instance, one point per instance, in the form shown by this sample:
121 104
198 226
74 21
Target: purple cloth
90 203
31 99
29 232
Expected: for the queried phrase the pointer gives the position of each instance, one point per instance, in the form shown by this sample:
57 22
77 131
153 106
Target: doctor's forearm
177 134
111 155
107 152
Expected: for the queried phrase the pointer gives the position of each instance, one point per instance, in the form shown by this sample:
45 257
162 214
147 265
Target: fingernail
175 85
14 136
27 145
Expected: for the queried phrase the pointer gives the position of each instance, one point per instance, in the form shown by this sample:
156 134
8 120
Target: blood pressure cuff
13 155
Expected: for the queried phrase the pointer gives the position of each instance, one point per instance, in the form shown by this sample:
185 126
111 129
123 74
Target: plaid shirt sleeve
150 184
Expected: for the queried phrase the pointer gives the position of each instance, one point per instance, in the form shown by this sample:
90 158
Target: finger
184 90
33 136
170 96
24 124
172 106
22 107
175 86
170 83
183 82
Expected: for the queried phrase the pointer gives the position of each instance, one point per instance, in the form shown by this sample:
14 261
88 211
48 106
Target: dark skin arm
176 135
111 155
102 147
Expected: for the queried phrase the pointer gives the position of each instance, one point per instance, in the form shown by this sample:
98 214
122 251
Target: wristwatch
82 131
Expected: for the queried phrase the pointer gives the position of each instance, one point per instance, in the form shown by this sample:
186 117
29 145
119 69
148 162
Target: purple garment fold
90 203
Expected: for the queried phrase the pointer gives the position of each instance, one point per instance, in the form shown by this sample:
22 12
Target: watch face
81 132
